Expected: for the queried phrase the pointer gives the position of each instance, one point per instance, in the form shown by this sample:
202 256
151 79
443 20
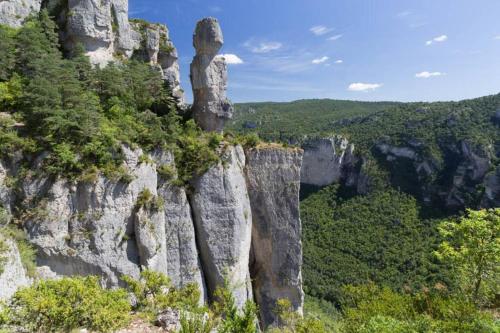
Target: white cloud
333 38
320 60
340 61
364 86
320 30
262 47
497 37
232 59
438 39
403 14
426 75
215 9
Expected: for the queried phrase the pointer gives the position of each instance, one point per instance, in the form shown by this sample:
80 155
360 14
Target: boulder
211 108
273 177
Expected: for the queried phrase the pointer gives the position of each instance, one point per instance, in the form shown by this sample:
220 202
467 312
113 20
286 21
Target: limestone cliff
105 31
240 223
223 220
14 12
12 273
273 176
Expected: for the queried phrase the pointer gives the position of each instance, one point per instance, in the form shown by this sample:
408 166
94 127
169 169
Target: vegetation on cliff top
80 117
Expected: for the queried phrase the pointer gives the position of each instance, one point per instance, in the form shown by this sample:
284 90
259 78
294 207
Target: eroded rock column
223 220
273 178
211 109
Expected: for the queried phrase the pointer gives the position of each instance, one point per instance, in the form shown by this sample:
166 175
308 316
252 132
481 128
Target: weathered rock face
324 160
103 28
14 12
152 43
111 228
98 228
12 273
211 109
183 262
223 220
91 228
273 177
97 25
453 181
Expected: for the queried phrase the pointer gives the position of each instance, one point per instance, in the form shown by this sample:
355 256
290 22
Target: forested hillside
275 121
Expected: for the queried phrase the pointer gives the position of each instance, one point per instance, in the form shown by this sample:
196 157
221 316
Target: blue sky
420 50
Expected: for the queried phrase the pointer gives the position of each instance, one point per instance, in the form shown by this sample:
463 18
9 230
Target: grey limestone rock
12 273
223 220
88 228
211 108
14 12
183 262
324 160
273 177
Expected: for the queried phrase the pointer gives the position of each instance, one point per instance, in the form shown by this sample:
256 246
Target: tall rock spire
211 108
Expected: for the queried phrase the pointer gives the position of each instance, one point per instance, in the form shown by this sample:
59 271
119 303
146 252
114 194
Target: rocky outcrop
273 177
211 109
152 44
455 181
325 160
14 12
12 273
223 220
90 228
104 30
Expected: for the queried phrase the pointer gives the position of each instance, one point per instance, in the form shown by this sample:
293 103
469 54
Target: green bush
154 292
196 323
232 319
472 246
292 322
148 201
3 254
69 303
377 309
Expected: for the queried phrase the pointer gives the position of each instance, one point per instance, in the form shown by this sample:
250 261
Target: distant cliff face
466 177
325 160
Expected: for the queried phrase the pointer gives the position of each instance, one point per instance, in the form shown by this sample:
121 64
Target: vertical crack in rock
182 254
211 109
273 178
